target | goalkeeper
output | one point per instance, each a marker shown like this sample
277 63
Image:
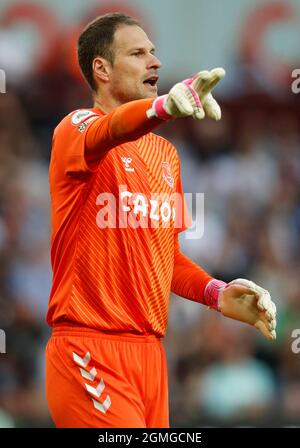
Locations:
114 248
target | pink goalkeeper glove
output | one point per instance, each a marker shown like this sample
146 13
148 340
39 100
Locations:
191 97
245 301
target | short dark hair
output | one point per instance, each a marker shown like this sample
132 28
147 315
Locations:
96 40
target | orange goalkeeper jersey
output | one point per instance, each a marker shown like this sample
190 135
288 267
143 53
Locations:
113 226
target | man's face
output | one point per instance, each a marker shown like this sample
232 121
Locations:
133 75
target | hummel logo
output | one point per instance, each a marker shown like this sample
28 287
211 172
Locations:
127 161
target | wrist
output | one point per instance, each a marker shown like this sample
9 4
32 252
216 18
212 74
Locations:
157 109
212 293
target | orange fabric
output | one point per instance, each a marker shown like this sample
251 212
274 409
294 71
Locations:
113 278
108 390
126 123
189 280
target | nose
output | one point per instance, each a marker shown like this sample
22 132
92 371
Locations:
154 62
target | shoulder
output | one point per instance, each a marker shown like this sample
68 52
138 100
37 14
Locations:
77 119
165 143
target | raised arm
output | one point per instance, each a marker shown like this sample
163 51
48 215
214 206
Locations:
191 97
126 123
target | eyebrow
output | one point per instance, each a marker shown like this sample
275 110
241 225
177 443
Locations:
153 49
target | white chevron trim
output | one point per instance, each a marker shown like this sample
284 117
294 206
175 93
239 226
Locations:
83 362
96 391
102 407
89 375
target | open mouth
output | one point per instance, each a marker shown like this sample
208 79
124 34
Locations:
152 81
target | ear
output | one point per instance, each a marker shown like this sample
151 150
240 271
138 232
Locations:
101 69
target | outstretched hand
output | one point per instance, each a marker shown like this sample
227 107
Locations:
203 83
190 97
245 301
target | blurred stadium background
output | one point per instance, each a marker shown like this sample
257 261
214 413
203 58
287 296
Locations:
248 165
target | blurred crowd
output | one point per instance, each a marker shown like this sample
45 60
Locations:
24 266
248 167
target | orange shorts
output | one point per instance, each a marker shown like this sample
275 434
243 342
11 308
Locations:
98 380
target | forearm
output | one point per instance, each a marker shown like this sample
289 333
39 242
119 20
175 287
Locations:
192 282
240 299
126 123
189 280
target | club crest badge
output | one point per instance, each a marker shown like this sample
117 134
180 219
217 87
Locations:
167 173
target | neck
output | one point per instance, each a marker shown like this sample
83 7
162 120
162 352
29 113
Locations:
106 104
